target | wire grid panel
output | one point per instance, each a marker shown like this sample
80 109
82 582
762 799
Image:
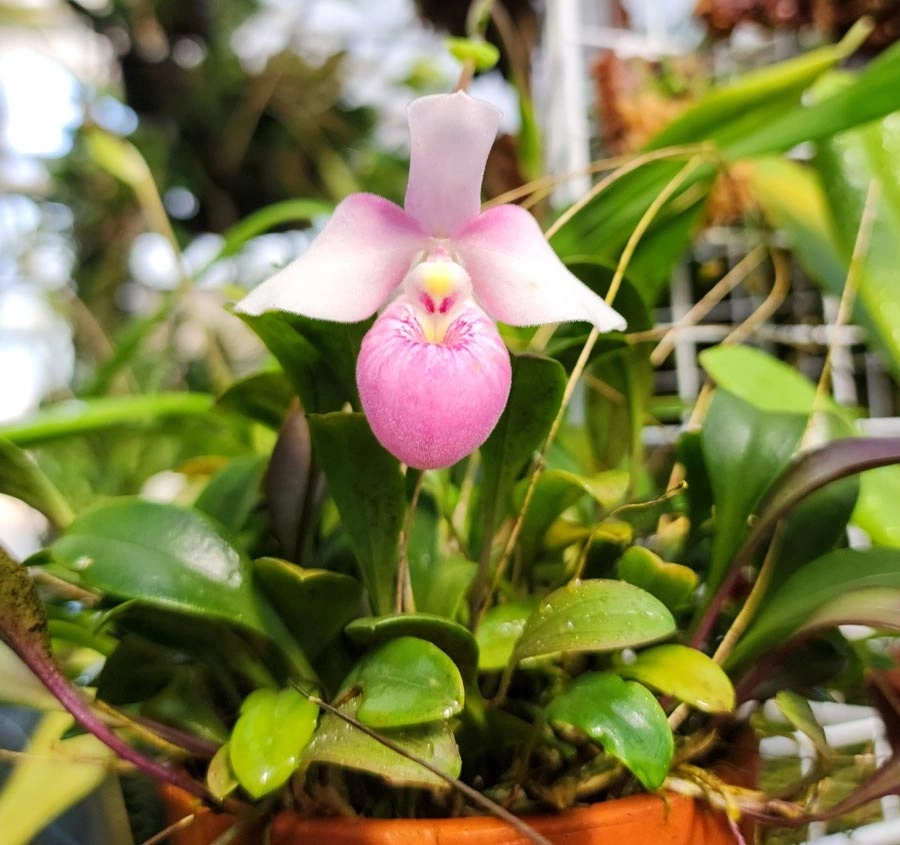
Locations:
846 726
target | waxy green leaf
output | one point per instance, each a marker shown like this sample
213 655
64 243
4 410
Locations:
368 489
269 738
234 492
596 615
318 357
405 681
672 583
622 716
499 632
264 397
174 558
341 744
534 399
315 604
450 637
797 711
745 450
685 673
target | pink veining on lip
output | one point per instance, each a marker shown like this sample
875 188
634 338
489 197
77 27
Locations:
433 372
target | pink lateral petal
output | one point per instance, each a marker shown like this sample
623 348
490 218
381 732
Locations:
351 268
431 404
518 278
451 136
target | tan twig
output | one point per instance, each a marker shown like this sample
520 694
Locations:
712 297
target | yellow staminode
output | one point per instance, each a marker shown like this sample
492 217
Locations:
438 279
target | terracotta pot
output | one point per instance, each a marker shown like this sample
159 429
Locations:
639 820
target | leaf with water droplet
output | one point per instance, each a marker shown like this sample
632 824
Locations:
269 737
405 681
499 632
595 615
622 716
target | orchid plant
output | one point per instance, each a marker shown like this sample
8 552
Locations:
429 559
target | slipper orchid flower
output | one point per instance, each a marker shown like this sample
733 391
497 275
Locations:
433 373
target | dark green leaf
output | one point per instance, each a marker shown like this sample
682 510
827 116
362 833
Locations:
170 557
264 397
318 357
835 576
269 737
685 673
797 711
534 399
234 492
21 478
745 451
596 615
451 637
368 490
185 702
315 604
441 585
622 716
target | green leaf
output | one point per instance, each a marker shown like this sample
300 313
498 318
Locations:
877 607
318 357
450 637
556 491
685 673
534 399
264 397
186 702
482 54
745 451
368 490
770 384
234 492
341 744
269 738
315 604
797 711
439 586
21 478
833 577
624 718
597 615
220 779
66 419
405 681
170 557
759 379
499 632
672 583
54 774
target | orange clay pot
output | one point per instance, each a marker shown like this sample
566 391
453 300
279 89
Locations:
639 820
